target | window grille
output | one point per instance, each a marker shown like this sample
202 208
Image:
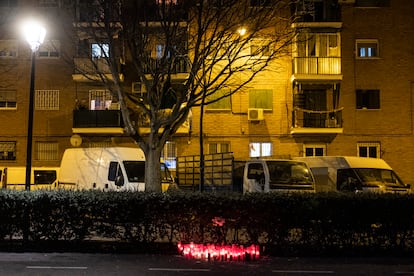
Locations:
47 100
7 150
47 151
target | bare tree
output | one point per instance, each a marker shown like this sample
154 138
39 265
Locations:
221 46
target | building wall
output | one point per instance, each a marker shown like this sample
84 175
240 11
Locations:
392 73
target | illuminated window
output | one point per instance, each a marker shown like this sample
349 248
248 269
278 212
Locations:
367 48
169 155
100 50
318 45
367 99
369 149
259 149
100 99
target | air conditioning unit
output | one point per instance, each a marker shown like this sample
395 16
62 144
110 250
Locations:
255 114
346 1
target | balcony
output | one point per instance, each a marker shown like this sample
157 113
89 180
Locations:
179 66
316 122
97 121
87 69
324 68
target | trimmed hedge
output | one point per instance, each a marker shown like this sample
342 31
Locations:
283 224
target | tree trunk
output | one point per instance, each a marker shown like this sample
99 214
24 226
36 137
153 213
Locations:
153 170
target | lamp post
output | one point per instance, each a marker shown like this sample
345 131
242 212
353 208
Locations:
35 35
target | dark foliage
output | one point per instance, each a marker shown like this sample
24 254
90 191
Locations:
300 224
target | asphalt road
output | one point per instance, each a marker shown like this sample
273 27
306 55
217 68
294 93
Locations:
127 264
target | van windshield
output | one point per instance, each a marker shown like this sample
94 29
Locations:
135 170
284 172
374 177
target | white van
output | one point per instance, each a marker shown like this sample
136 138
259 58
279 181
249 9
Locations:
277 175
356 174
41 178
108 169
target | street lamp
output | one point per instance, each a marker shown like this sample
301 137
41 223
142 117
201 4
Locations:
35 35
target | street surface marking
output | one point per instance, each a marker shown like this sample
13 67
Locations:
57 267
179 269
304 271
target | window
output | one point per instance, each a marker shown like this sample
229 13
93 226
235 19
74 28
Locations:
100 50
8 3
100 99
367 48
169 155
8 48
8 99
369 149
47 151
218 147
314 150
261 98
223 103
367 99
49 49
372 3
7 150
47 100
318 45
258 149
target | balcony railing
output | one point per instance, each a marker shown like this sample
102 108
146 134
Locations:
303 118
97 118
180 65
317 65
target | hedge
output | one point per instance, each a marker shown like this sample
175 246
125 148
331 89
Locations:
297 223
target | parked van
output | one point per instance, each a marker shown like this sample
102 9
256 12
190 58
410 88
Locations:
108 169
40 178
356 174
264 175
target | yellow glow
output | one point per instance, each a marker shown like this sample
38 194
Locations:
242 31
35 34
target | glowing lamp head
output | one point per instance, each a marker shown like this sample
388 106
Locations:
242 31
34 33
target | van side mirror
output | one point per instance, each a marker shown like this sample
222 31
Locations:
119 181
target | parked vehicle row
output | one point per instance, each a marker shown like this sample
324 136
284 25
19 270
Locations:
14 178
123 169
355 174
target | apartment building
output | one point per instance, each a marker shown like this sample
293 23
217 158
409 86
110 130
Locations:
345 89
